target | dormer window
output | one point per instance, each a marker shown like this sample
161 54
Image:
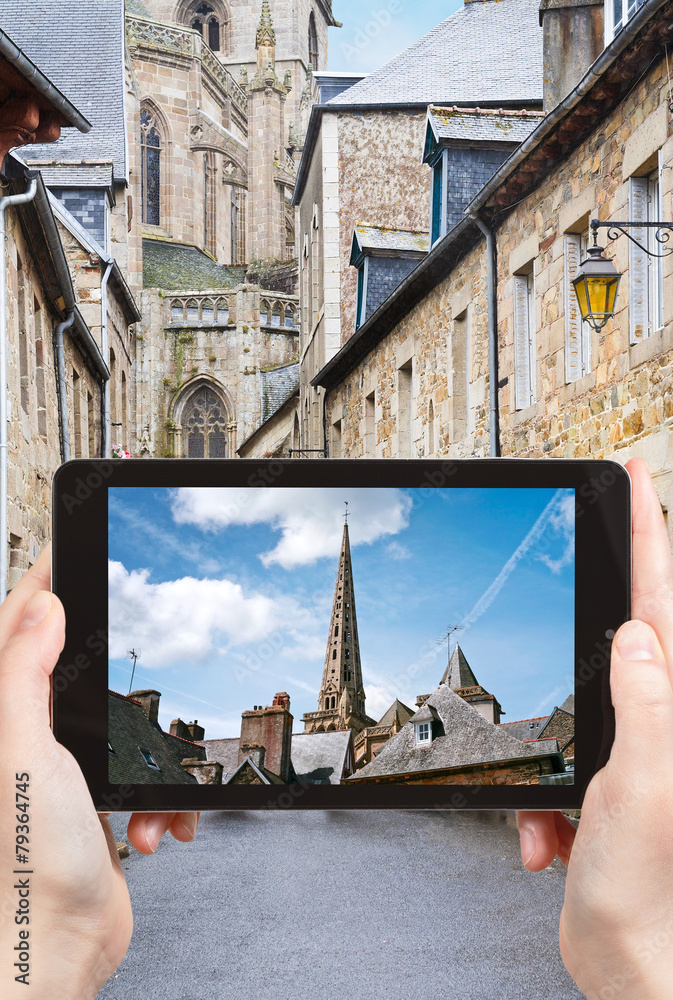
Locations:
423 733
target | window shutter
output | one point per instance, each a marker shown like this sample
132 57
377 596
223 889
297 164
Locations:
573 318
638 263
521 342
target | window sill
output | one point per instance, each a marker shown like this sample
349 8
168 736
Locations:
518 417
572 390
657 343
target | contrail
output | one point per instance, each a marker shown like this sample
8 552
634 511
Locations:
501 579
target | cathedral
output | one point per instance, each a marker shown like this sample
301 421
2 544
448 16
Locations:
221 95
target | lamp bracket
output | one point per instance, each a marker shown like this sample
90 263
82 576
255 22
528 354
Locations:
662 234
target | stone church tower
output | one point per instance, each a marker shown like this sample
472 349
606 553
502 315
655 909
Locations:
341 702
218 97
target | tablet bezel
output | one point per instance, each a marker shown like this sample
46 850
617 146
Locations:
79 566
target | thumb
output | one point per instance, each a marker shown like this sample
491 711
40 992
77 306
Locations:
642 696
26 663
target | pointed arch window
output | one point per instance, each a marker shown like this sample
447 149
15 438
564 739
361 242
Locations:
312 42
151 147
208 19
204 425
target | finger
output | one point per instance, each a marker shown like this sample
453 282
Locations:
642 697
38 577
26 663
184 826
543 836
652 594
145 830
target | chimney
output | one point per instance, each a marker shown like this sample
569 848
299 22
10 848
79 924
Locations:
179 728
196 732
149 700
270 728
255 752
572 40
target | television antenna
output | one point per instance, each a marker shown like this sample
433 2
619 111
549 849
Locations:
133 654
447 638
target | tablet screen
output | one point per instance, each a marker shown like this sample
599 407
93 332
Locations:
341 636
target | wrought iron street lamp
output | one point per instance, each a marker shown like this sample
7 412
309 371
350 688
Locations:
597 280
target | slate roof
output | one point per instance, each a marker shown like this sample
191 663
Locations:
568 705
128 730
224 752
177 267
477 125
382 238
458 673
487 52
277 387
321 758
81 175
79 46
399 712
521 728
468 739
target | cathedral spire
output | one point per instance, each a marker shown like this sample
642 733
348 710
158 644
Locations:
341 702
266 33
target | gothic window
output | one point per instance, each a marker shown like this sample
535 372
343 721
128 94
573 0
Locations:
204 425
222 310
264 313
177 311
204 18
277 311
289 317
334 654
237 232
209 206
150 167
192 311
312 42
207 311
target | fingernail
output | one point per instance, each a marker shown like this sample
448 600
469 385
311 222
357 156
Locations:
528 844
190 821
637 641
37 609
155 828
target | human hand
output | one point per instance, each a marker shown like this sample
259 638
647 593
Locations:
616 930
80 912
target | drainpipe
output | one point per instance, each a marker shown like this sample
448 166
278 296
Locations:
62 385
492 295
7 202
105 422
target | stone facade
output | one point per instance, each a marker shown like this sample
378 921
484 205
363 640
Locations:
621 405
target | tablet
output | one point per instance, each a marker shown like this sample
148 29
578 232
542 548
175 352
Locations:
314 634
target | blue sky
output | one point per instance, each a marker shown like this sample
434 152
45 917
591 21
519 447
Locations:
376 30
227 593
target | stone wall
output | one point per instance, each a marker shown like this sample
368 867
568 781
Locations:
175 357
375 189
525 773
623 406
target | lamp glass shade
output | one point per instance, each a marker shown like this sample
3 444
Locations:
596 285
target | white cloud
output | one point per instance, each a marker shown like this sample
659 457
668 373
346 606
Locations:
562 524
397 551
187 621
310 521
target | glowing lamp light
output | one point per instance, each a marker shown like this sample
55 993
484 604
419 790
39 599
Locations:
596 285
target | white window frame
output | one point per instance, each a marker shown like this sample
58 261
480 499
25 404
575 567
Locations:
614 25
524 339
577 331
423 733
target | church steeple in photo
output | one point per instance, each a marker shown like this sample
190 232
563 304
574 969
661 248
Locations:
341 701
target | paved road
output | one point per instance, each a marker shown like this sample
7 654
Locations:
320 905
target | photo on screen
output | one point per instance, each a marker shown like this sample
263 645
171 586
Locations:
341 636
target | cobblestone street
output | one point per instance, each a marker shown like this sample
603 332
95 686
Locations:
324 905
